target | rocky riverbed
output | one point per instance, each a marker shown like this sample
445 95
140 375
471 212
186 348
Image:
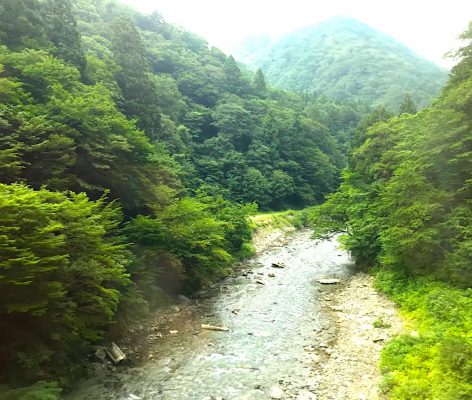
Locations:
289 336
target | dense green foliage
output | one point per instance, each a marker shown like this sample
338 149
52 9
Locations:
131 155
346 60
228 130
61 270
405 205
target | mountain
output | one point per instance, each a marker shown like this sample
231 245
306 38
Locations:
345 59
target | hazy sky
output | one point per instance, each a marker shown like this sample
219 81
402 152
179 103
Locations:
428 27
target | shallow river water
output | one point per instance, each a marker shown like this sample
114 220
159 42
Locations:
277 334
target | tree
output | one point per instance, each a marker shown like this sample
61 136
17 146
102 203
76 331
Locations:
76 139
408 106
139 95
22 24
233 82
64 34
259 84
234 122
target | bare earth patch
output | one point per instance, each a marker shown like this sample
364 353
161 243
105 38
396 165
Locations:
352 370
265 238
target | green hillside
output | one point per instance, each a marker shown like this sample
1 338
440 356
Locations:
346 60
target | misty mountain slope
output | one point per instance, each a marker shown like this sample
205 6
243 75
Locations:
346 60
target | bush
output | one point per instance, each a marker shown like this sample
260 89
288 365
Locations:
39 391
62 265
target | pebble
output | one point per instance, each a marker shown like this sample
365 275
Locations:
276 392
306 395
183 298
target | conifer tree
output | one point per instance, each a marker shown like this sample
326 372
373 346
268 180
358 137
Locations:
408 106
259 84
63 33
232 75
139 96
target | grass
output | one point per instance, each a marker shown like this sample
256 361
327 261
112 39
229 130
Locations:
278 219
379 323
436 361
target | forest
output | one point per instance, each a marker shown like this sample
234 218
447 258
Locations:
132 152
345 59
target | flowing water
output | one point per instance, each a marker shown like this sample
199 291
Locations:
277 334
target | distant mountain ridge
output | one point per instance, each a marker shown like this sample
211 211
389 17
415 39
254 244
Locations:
346 60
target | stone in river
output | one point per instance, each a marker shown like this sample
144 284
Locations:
276 392
330 281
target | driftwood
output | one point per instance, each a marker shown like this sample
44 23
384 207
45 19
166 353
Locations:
214 328
115 353
329 281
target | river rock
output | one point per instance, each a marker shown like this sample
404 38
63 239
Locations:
183 299
100 354
276 392
175 308
214 328
379 339
329 281
271 275
306 395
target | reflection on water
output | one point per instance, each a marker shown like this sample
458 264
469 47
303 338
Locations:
275 331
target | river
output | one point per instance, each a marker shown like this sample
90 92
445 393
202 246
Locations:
277 334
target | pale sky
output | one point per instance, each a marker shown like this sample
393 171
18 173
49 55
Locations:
430 28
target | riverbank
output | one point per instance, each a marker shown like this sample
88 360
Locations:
364 321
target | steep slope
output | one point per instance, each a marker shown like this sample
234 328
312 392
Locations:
346 60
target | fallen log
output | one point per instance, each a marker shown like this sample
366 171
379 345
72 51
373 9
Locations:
115 353
214 328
